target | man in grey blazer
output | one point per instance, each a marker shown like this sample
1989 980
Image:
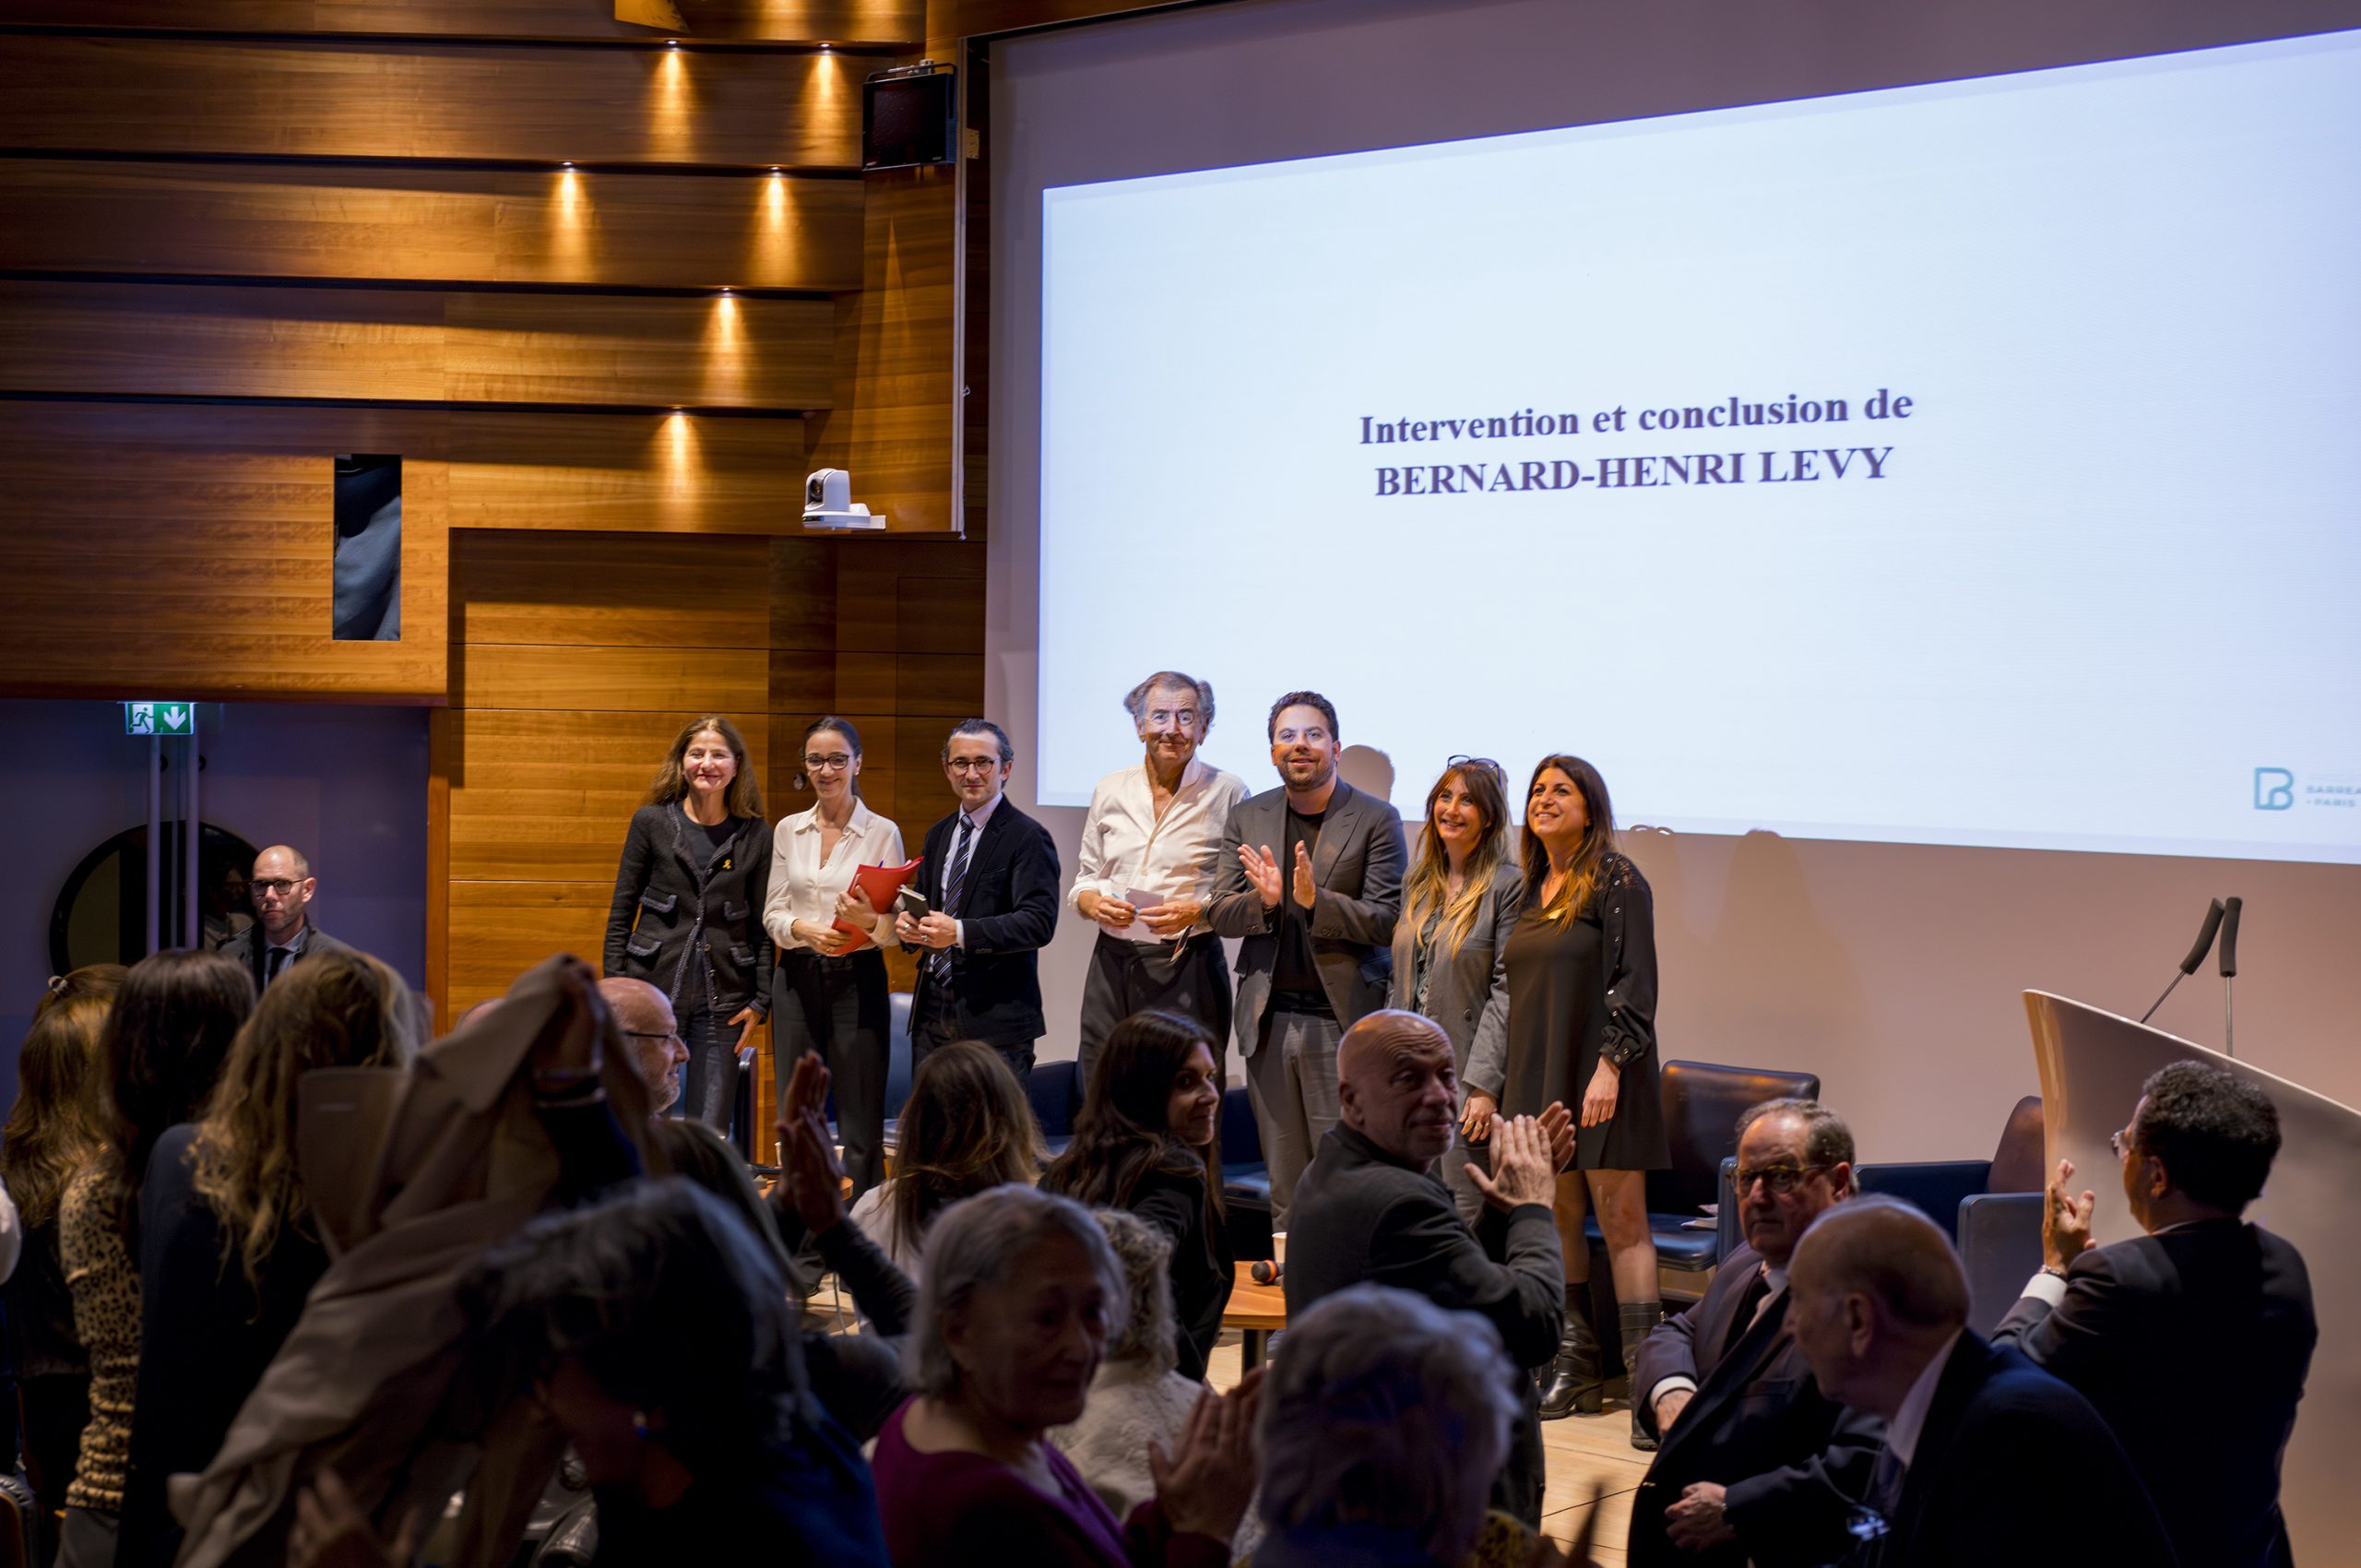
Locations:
1310 882
281 886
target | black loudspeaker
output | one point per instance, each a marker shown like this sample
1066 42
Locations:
909 118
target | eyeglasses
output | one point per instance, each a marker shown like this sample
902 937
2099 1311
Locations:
2120 1142
1164 717
1777 1179
836 762
665 1035
280 884
972 764
1486 764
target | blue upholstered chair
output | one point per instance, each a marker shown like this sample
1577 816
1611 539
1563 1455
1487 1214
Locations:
1990 1207
1245 1179
1055 1089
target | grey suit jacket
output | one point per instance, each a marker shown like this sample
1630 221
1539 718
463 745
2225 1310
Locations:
246 948
1468 992
1358 874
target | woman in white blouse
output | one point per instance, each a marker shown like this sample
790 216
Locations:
830 995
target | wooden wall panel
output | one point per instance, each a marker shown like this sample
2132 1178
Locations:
600 591
133 565
674 473
498 930
867 23
326 99
432 225
896 343
414 345
546 794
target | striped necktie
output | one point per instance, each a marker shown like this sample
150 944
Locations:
954 882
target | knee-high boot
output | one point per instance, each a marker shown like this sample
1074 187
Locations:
1634 1320
1575 1381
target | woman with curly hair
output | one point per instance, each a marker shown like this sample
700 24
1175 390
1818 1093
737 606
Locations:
966 1129
1148 1141
163 1045
54 1133
228 1251
1582 978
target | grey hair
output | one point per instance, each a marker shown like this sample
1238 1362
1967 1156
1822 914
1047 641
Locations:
1135 700
1145 1253
1376 1383
1827 1139
980 727
976 1245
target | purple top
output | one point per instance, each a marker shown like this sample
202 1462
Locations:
954 1509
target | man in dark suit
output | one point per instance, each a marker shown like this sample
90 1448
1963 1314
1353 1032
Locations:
1373 1209
1989 1459
1311 881
990 881
2119 1322
1753 1461
281 888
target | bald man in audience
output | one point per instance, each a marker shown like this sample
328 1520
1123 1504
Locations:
282 886
1989 1459
1753 1461
643 1015
1371 1207
2109 1319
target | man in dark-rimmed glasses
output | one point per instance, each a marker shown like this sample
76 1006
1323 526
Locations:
281 888
1752 1460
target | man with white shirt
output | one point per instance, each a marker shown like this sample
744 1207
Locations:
990 883
1752 1460
281 888
1151 847
1989 1459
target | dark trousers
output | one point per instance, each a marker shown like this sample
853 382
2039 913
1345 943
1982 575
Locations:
1190 977
712 1071
934 1023
839 1007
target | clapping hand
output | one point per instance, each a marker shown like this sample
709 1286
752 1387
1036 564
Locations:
1205 1487
1524 1170
811 1178
2065 1220
1262 872
1305 889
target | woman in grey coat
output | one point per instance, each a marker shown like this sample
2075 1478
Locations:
1458 905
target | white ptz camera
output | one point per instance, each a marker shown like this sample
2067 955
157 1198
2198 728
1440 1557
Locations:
828 503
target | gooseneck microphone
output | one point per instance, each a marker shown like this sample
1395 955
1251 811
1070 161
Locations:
2229 968
2213 914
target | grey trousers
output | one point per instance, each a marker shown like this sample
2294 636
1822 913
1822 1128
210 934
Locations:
1291 1083
1131 977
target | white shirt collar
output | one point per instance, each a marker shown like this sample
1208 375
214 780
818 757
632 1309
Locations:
1775 1278
978 818
1902 1432
856 825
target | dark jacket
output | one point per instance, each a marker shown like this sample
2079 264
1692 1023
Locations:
2135 1311
698 908
205 1336
1008 911
1360 1215
1204 1270
2012 1466
1357 871
1793 1461
249 945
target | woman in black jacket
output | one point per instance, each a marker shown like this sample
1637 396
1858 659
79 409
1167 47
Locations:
1148 1141
687 915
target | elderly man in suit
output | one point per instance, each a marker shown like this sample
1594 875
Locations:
1373 1210
281 888
1754 1461
1311 884
2114 1321
1989 1459
990 881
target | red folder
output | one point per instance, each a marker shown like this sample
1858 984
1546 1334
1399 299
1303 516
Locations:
881 886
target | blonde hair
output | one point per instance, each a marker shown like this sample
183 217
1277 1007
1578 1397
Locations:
1585 873
1429 887
331 1010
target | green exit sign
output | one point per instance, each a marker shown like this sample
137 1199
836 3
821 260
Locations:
160 719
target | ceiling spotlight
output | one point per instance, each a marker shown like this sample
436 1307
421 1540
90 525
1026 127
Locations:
671 43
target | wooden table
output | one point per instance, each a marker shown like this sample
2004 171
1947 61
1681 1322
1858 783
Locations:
1260 1311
